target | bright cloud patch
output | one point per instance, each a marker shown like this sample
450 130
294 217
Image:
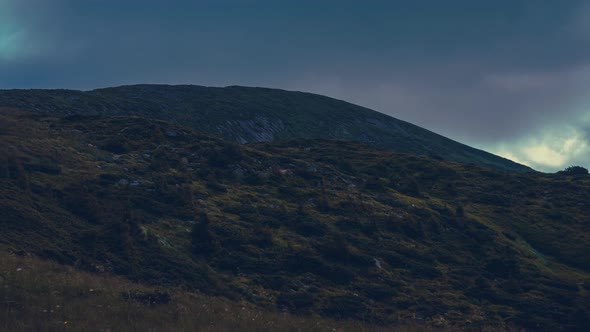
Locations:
9 36
549 151
8 44
544 155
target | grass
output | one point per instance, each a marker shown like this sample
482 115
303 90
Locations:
39 295
297 226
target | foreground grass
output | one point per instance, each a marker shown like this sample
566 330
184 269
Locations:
39 295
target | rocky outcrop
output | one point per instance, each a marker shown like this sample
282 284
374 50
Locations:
258 129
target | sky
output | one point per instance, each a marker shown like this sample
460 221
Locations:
508 76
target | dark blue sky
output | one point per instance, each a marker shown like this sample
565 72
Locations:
509 76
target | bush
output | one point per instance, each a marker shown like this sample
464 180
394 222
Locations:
80 201
574 170
301 302
146 298
379 292
202 240
374 183
407 186
345 307
459 211
115 145
308 227
222 157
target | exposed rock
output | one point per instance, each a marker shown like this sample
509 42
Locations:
259 129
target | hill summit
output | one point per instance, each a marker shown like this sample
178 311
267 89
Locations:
253 115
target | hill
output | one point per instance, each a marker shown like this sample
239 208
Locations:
315 227
250 115
40 295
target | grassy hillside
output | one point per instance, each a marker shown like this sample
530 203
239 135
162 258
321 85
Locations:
252 115
313 227
44 296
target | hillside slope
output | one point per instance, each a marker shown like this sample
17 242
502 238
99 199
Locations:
39 295
252 115
323 227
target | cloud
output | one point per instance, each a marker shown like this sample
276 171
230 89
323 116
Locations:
461 98
35 31
8 44
535 117
544 155
494 75
579 25
549 150
11 36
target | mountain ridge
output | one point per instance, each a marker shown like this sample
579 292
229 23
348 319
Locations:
254 114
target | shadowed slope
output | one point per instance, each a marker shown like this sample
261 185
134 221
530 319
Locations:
331 228
248 115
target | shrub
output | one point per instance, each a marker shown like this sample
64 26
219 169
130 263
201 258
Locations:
345 307
146 298
574 170
300 302
80 201
309 227
374 183
379 292
222 157
336 248
407 186
459 211
115 145
201 237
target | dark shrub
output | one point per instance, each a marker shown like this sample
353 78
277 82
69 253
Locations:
379 292
336 248
424 271
407 186
222 157
574 170
304 261
337 274
300 302
216 187
115 145
80 201
488 198
308 227
459 211
150 299
201 238
345 307
374 183
503 267
349 224
262 237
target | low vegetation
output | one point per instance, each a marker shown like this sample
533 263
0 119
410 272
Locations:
45 296
250 115
574 170
316 228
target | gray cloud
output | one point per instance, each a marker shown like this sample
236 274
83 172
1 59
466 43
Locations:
507 76
508 113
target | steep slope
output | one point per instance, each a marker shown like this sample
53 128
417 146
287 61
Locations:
333 228
249 115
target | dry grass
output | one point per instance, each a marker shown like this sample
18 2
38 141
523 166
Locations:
44 296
